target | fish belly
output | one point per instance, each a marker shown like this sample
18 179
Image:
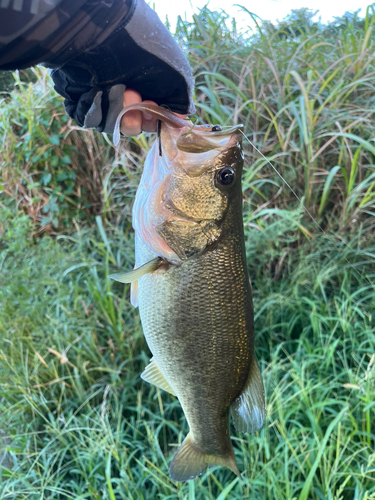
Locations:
198 322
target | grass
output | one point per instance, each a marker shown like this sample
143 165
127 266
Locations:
53 171
303 91
306 100
77 421
81 423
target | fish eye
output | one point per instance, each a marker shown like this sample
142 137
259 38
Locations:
225 177
216 128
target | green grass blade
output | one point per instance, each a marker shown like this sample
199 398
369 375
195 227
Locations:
108 477
327 188
225 493
306 488
360 140
191 490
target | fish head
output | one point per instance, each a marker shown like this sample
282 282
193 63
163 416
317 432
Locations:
192 175
205 174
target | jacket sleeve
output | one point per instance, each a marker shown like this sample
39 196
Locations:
95 49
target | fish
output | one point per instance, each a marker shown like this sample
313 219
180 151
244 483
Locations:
192 287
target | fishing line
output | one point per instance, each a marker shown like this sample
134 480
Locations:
307 210
158 131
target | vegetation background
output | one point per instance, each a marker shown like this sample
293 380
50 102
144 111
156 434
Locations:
76 420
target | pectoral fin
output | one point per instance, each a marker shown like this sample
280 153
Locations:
249 409
136 274
134 294
153 375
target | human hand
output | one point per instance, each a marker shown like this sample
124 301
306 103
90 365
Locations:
142 55
134 122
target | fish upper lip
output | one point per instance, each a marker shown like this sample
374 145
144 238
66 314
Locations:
196 140
222 133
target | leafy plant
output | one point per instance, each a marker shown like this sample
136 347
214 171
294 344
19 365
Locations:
53 171
80 423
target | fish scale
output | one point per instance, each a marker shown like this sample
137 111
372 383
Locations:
198 322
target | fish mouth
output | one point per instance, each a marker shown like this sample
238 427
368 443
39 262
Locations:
192 138
197 140
223 132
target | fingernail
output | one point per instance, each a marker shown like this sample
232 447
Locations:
146 116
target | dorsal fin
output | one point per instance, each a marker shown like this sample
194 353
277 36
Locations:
153 375
249 409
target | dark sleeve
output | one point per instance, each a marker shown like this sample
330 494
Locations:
56 31
97 48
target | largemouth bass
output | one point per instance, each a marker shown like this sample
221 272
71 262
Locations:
193 290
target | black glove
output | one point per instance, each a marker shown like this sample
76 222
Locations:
141 55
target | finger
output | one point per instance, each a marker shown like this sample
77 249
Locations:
149 123
131 123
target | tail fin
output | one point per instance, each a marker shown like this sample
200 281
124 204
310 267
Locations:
189 462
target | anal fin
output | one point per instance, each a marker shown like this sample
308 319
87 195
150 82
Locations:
249 409
153 375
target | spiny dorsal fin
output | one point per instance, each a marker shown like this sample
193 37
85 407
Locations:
153 375
249 409
189 461
136 274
